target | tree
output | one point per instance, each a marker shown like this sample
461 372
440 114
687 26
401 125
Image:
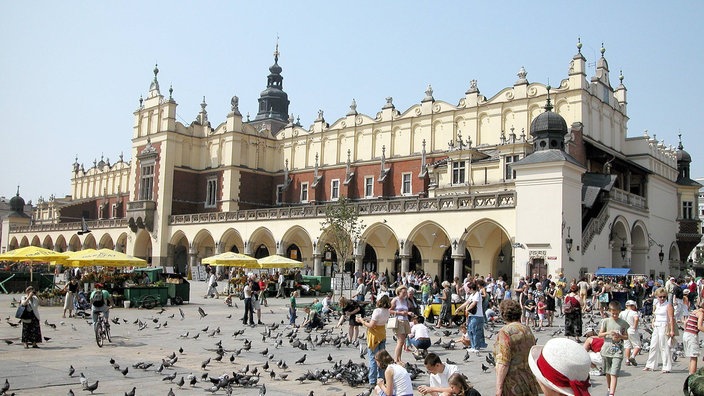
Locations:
343 228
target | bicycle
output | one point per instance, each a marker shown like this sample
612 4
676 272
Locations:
102 330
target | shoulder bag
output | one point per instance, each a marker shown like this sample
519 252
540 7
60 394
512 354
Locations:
392 323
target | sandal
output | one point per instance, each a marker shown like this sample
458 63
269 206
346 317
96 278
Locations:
647 369
666 371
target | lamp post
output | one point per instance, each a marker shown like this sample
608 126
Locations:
661 255
568 241
623 250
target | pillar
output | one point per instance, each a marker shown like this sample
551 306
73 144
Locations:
317 264
457 268
358 265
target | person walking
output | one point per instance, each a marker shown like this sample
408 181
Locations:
71 290
632 345
573 314
475 317
280 285
376 335
693 325
511 349
212 285
292 309
446 309
663 332
31 328
615 331
400 308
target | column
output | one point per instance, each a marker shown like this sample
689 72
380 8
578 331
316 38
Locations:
192 262
457 269
405 263
358 265
317 264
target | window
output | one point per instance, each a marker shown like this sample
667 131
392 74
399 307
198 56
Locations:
211 193
406 184
114 211
335 189
279 194
304 192
146 182
369 186
510 174
687 209
458 172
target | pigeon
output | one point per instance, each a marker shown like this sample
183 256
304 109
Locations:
171 392
71 370
195 337
180 350
301 360
70 393
202 313
490 359
205 329
485 368
265 351
124 372
329 358
450 361
169 378
262 390
180 311
181 382
192 380
132 392
5 387
91 388
204 363
84 381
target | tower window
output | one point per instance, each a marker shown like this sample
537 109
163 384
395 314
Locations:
304 192
687 209
146 182
369 186
458 172
211 193
335 189
406 184
510 174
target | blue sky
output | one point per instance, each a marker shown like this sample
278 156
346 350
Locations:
71 73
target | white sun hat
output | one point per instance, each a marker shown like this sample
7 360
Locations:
562 365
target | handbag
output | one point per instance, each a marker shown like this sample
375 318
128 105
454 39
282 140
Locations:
392 323
215 284
20 311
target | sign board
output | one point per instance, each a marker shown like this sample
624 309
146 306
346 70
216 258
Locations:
198 273
337 283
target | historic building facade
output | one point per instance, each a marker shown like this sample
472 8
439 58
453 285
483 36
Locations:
531 180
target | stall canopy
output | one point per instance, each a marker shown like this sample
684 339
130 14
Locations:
33 254
612 271
277 261
103 258
231 259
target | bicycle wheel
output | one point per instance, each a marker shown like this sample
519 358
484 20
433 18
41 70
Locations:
99 334
149 302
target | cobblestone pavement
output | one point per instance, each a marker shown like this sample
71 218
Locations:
44 371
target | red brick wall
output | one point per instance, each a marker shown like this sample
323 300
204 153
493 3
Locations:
190 190
257 190
576 146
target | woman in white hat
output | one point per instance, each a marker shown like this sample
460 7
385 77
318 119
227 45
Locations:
561 367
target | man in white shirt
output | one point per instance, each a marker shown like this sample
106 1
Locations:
280 286
419 337
361 290
439 374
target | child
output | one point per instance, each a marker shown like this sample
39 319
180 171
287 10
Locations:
464 339
632 344
530 310
615 331
292 309
541 312
460 387
419 336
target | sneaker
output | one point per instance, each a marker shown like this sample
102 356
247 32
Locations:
472 350
633 361
594 373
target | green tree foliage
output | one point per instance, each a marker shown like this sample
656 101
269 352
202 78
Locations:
342 227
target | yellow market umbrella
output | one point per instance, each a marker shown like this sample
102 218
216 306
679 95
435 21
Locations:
231 259
276 261
67 261
104 258
33 254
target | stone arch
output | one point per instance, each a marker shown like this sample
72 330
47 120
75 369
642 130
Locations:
231 241
106 242
487 241
36 242
640 248
60 245
619 239
74 244
204 244
121 244
296 239
384 244
89 242
431 240
24 242
13 244
673 256
143 245
48 243
178 252
262 236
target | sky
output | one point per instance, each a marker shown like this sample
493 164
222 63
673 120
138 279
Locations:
72 72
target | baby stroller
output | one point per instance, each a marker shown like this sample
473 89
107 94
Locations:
81 305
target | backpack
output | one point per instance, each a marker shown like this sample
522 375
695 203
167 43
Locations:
97 299
677 292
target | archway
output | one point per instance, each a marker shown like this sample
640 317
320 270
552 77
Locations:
143 246
369 261
448 265
293 252
106 242
179 252
36 242
89 242
48 243
121 245
261 252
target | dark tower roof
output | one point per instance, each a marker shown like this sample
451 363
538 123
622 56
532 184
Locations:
273 101
17 202
548 129
683 161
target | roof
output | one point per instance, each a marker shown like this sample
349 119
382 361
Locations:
553 155
612 271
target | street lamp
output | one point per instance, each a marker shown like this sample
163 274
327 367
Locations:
623 250
501 249
661 255
568 241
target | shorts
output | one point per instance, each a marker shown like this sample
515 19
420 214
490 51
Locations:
402 328
596 358
541 316
255 304
691 345
633 341
612 365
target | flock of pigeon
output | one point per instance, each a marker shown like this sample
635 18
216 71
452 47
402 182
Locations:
247 358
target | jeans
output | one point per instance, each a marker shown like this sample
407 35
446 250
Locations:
475 331
292 316
106 313
248 311
374 373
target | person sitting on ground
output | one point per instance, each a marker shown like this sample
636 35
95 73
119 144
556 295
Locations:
312 320
327 308
464 337
439 375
